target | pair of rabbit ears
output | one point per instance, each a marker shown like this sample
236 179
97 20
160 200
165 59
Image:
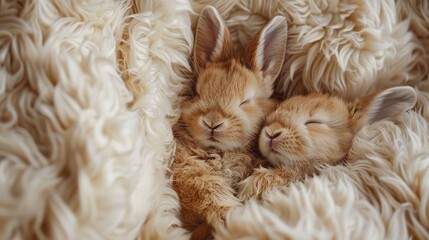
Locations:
265 53
387 104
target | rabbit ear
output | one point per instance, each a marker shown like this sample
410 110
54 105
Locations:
212 41
266 51
387 104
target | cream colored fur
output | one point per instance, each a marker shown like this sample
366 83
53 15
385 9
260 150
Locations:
85 88
89 90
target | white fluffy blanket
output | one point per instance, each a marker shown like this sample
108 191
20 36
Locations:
89 90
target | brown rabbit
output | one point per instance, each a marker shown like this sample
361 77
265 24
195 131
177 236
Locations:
231 97
305 132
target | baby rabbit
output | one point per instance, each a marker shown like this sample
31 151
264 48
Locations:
231 97
232 92
305 132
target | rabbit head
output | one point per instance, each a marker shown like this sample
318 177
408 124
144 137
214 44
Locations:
231 96
319 128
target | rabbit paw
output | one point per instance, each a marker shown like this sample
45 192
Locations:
236 166
261 181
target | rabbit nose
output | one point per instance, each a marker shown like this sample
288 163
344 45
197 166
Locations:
212 125
273 135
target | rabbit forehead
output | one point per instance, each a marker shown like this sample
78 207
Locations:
315 104
320 107
229 80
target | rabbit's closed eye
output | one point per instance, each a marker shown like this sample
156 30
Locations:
313 121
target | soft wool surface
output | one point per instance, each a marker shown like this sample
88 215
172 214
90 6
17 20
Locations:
89 90
85 91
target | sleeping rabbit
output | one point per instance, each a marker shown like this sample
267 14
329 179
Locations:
305 132
222 119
